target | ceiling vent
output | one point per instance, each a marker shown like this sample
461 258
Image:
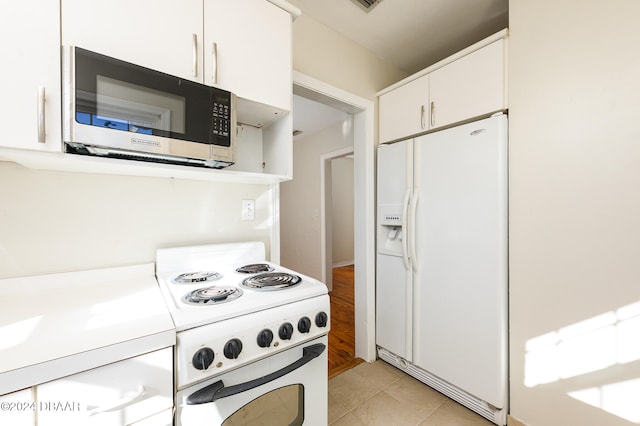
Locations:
366 5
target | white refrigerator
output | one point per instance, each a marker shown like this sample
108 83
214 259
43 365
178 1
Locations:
441 287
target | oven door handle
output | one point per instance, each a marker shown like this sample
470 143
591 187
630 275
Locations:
217 390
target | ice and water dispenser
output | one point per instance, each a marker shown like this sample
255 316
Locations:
390 222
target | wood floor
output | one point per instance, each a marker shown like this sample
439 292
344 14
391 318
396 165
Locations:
342 334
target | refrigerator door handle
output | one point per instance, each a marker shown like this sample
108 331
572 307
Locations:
405 219
412 226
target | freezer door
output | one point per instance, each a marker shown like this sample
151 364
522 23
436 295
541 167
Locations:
395 179
393 277
460 287
393 306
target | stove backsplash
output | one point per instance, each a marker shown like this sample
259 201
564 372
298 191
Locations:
62 221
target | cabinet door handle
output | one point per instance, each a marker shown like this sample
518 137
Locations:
422 121
41 122
214 53
194 40
120 403
433 113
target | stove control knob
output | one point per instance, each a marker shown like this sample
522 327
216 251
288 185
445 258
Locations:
304 325
203 358
265 337
286 331
321 319
232 348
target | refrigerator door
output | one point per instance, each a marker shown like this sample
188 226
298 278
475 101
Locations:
460 287
393 280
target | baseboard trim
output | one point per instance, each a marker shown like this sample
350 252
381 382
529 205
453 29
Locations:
341 264
512 421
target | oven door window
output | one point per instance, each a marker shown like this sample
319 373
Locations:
283 406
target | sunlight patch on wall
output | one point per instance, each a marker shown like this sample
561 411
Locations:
584 347
619 399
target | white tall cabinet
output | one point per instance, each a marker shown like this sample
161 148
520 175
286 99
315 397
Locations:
404 111
467 85
30 83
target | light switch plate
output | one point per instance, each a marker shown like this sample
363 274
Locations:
248 209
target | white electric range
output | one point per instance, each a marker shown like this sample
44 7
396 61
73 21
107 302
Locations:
245 328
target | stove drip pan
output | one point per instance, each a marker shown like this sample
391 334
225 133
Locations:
271 281
212 295
196 277
255 268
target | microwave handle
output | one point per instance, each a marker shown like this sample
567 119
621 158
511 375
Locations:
217 390
214 53
41 123
194 41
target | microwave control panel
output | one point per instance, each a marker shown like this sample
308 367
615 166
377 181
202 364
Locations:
221 119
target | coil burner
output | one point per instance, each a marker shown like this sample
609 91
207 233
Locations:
255 268
197 277
212 295
271 281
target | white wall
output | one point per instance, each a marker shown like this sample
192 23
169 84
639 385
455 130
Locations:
61 221
574 94
300 244
342 211
321 53
331 59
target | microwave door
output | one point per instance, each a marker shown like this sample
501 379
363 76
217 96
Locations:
123 110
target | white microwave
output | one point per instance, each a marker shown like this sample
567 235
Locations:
117 109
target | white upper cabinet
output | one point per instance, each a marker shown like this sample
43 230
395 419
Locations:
247 50
243 46
468 87
30 84
164 35
404 111
470 84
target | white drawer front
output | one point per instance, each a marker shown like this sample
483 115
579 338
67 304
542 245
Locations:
116 394
17 408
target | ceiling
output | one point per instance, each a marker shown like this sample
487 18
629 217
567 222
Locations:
411 34
310 117
408 34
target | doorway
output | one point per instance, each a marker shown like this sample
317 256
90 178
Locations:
364 202
337 199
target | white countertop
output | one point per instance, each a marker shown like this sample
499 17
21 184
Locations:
55 325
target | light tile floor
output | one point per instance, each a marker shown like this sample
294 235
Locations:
380 394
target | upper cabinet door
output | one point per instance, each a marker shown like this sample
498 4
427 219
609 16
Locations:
164 35
471 86
30 83
405 110
250 54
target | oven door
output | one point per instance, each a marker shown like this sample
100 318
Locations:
288 388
